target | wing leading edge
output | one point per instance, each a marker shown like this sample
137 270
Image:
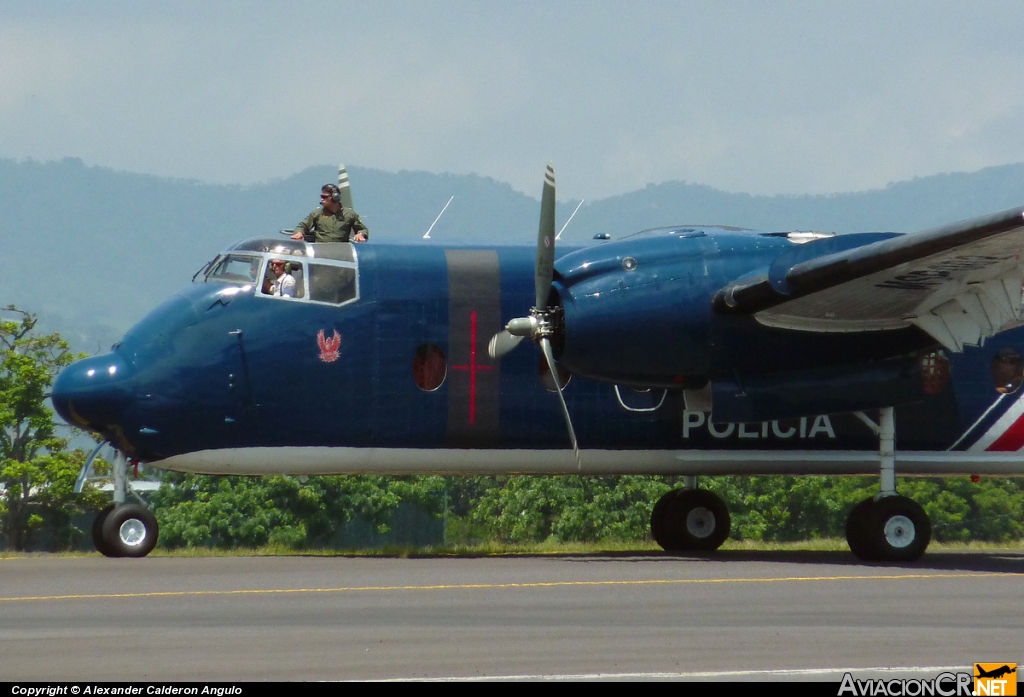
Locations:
961 283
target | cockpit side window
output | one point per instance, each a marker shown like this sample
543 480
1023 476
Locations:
236 268
331 284
295 288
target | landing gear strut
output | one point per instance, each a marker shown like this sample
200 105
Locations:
887 527
121 529
690 519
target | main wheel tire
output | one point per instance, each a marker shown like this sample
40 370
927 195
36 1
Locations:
900 529
97 532
858 525
130 531
660 530
697 519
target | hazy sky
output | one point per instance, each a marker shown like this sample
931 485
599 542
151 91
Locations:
763 97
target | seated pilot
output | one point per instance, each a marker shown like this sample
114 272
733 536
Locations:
283 284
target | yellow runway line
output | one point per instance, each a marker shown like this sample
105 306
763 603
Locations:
501 586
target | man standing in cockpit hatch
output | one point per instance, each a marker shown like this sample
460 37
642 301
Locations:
331 222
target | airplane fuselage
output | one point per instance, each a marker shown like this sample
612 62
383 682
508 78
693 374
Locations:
687 350
224 378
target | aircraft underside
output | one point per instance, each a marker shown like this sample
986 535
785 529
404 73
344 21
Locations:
316 461
887 527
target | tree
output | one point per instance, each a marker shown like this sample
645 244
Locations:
218 511
37 475
568 508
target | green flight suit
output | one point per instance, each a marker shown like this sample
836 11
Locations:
324 227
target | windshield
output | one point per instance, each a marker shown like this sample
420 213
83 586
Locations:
236 268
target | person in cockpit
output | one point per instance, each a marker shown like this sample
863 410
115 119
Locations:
331 222
283 283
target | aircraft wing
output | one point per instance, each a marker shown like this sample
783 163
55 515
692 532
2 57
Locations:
960 283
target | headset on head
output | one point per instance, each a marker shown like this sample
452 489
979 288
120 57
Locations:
333 190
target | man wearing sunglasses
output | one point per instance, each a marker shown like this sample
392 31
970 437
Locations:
331 222
284 284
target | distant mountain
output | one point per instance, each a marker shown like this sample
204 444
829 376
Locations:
900 207
91 250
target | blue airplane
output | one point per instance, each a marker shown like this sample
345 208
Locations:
691 350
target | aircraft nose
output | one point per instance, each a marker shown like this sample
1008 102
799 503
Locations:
93 393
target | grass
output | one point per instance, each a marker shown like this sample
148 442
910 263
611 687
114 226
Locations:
490 549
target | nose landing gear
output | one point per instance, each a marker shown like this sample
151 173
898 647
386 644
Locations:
121 529
129 530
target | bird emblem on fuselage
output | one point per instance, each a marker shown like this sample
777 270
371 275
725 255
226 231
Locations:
330 349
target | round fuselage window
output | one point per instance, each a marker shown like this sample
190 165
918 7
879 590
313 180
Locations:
429 367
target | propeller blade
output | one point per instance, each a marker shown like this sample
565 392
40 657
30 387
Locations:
501 343
546 239
545 345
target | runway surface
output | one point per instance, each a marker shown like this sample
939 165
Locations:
733 616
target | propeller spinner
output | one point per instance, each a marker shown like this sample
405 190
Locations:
539 325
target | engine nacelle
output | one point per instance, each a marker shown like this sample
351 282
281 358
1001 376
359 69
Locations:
639 313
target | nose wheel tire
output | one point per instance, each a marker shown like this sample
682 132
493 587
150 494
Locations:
690 519
893 528
129 531
97 532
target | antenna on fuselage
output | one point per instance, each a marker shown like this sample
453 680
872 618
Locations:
559 235
426 235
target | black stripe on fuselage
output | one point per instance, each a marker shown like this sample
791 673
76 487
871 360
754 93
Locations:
474 316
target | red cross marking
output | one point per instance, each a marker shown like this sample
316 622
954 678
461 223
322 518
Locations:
472 367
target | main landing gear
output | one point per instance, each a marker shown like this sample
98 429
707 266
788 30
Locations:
892 528
887 527
121 529
690 519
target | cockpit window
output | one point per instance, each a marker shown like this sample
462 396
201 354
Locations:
319 282
281 286
290 270
236 268
331 284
